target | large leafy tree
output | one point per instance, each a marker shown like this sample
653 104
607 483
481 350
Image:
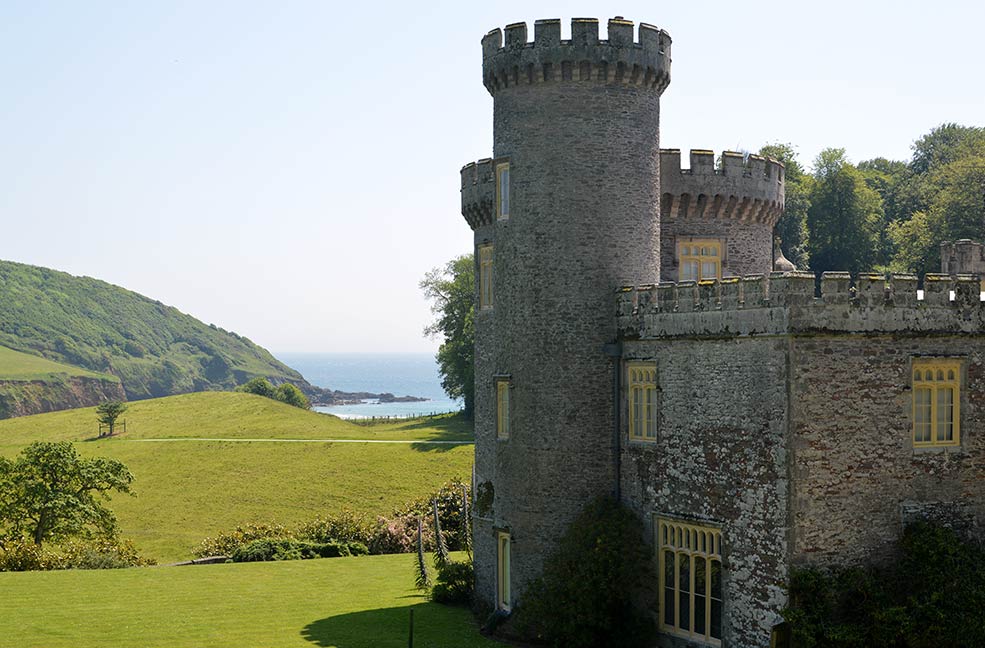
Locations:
941 196
885 176
792 227
844 216
49 492
451 290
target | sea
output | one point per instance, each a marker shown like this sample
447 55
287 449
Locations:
401 374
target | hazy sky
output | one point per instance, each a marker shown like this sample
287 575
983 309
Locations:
289 170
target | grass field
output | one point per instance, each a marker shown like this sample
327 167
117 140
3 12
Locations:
360 602
18 366
188 489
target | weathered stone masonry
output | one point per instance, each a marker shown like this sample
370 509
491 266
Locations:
786 420
578 122
784 417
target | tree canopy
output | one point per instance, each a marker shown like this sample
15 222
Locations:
844 216
50 493
107 413
285 393
883 214
451 290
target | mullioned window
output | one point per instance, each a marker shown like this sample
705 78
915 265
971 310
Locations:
936 402
690 568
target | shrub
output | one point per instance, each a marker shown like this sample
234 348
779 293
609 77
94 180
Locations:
591 591
290 394
394 534
225 544
398 535
105 553
932 595
259 386
346 526
454 583
267 549
449 504
102 553
24 555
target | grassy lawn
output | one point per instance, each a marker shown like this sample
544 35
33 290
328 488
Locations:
18 366
226 415
337 602
188 490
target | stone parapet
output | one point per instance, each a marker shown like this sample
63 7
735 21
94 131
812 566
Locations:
745 188
782 303
963 257
479 193
619 60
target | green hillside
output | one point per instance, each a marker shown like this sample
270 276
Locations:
208 461
360 602
155 350
17 366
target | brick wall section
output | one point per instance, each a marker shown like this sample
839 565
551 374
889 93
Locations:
721 459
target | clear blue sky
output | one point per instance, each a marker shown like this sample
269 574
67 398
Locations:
289 170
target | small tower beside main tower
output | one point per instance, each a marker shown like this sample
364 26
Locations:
567 210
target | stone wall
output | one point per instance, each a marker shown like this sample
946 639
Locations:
963 257
578 123
720 459
857 476
786 420
738 204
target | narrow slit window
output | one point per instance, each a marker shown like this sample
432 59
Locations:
503 571
936 402
502 408
485 276
502 191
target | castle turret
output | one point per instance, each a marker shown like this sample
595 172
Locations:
567 209
718 221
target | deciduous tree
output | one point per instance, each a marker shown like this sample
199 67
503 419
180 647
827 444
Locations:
109 412
844 216
451 290
49 492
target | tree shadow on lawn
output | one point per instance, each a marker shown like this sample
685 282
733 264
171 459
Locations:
439 447
435 626
452 427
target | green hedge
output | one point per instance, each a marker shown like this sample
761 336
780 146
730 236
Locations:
932 595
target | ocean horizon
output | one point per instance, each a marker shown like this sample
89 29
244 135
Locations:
401 374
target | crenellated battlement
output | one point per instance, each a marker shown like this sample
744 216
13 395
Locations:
479 192
781 303
622 59
745 188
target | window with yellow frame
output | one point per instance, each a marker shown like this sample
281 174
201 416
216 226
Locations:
936 402
485 276
643 404
699 259
690 572
502 408
503 571
502 191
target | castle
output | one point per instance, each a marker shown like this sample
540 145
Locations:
636 338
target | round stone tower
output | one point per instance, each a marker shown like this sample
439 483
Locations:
718 222
567 210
